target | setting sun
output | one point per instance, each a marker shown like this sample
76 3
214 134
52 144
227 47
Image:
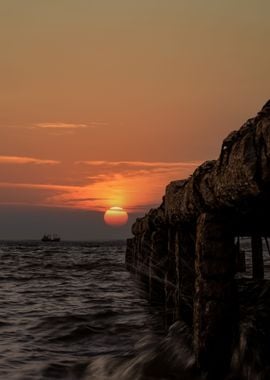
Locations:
116 216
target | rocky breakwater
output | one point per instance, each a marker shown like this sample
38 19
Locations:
185 251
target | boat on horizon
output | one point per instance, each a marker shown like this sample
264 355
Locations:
51 238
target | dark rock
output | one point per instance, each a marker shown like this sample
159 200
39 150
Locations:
184 250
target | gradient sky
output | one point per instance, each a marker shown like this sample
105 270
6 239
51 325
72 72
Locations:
102 103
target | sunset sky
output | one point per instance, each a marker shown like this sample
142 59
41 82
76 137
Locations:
103 102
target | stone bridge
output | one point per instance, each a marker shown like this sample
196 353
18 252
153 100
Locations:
186 251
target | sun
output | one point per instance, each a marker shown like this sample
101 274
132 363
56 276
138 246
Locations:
116 217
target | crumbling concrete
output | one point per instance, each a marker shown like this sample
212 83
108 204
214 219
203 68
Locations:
185 249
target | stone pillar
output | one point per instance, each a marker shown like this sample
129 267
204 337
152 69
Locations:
130 255
215 312
185 251
137 253
240 257
171 280
257 257
241 261
158 265
144 259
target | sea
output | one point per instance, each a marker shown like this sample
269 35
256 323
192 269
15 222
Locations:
71 310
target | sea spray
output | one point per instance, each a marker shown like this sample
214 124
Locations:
169 358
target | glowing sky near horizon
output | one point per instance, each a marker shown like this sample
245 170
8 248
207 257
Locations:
102 102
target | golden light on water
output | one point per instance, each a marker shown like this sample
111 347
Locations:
116 217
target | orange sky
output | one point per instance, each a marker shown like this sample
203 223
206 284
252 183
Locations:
102 102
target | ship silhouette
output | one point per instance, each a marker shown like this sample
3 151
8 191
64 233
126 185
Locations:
51 238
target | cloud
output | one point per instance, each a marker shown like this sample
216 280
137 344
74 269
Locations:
38 186
31 193
142 164
88 199
60 126
133 185
19 160
103 170
141 208
69 126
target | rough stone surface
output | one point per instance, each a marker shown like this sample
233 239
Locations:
241 173
215 294
184 250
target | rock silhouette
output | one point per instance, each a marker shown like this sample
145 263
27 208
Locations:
185 251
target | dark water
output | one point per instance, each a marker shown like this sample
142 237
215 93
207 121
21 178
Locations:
62 304
71 311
